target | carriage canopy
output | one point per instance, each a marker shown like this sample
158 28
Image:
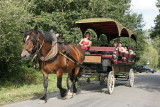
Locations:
107 26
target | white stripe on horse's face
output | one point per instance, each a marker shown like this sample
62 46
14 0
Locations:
27 37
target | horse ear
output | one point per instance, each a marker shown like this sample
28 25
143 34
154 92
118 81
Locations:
36 29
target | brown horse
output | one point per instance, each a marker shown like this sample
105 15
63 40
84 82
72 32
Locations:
52 55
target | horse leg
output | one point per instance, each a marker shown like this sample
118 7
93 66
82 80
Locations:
74 87
75 79
45 85
63 91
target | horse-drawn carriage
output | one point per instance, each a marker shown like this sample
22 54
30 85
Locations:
107 61
57 58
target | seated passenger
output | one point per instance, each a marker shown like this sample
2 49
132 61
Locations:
131 51
121 49
126 50
116 43
85 42
114 53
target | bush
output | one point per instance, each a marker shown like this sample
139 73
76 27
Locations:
14 17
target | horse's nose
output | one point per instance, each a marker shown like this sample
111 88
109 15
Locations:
23 56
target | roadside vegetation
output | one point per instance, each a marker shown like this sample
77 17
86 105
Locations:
30 88
18 79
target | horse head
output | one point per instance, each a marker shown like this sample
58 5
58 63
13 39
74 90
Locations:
31 39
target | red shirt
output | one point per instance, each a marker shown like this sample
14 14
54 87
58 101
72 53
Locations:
84 43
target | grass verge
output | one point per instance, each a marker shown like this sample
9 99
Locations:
15 91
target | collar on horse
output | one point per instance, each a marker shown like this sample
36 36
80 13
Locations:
52 53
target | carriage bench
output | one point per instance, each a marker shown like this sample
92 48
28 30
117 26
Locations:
106 52
97 53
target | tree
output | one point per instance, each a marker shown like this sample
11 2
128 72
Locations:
156 45
155 32
14 17
150 54
156 29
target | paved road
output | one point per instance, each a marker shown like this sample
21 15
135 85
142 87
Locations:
145 93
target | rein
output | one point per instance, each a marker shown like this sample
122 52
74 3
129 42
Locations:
66 57
74 61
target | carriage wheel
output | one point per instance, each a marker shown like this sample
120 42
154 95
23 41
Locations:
69 82
131 78
110 82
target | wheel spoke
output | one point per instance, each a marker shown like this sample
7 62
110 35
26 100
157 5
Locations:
110 84
131 77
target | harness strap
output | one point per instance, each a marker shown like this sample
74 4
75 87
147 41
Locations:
27 50
36 53
67 57
74 61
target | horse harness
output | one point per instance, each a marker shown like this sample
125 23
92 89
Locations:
52 54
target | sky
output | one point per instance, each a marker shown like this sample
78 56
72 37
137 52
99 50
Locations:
148 9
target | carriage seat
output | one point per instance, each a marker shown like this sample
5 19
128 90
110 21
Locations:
106 52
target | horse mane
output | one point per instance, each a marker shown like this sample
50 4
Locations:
47 36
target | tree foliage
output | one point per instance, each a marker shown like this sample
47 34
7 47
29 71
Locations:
150 54
14 17
156 29
155 32
156 45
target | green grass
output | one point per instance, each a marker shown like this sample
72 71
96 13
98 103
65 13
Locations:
18 91
28 84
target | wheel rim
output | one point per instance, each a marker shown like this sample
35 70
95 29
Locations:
111 83
131 78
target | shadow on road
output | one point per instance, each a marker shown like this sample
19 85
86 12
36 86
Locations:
148 82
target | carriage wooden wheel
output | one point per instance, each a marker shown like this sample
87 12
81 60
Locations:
131 78
110 82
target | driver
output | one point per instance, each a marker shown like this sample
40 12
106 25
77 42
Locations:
85 42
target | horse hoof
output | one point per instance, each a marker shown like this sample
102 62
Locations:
69 96
63 98
74 94
42 102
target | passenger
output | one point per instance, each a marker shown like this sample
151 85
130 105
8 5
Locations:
121 49
132 59
131 51
86 42
114 53
116 43
126 50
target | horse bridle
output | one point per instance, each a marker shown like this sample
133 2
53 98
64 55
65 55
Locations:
36 49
